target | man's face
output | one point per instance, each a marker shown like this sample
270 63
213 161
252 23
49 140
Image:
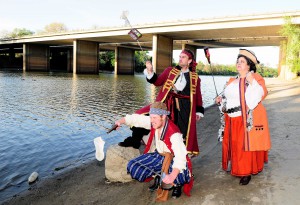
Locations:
157 121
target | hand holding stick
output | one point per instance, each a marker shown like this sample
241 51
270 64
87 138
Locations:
218 100
117 124
149 67
114 127
250 77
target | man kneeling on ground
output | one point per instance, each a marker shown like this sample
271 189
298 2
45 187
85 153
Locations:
165 152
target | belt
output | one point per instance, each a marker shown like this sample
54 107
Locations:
178 95
234 109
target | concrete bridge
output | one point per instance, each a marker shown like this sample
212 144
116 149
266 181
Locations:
81 49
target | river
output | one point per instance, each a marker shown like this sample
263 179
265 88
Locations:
49 120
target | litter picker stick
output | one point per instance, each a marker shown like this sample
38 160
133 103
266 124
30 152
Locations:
134 33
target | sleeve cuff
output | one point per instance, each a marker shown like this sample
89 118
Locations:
200 109
200 114
148 76
153 79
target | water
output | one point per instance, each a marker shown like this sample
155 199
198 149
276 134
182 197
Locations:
49 120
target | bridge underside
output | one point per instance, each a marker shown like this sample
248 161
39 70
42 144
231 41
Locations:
82 56
79 52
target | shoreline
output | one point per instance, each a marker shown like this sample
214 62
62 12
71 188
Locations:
277 184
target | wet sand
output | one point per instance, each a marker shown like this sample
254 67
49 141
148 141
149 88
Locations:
279 183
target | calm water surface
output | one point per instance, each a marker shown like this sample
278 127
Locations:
49 120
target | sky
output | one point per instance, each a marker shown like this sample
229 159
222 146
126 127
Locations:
34 15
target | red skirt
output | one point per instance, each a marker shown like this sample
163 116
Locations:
242 163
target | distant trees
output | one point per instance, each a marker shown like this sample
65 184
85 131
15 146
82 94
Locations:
20 32
230 70
55 27
107 60
17 33
215 69
140 59
292 32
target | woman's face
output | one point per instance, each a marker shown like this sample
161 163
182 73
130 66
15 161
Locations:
242 66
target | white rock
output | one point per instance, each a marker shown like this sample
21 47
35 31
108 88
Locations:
33 176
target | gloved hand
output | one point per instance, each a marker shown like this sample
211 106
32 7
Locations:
169 178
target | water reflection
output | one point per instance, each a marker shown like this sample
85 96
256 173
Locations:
73 102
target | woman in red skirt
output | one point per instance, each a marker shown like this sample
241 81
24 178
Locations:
246 137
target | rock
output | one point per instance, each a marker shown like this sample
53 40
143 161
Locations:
116 161
33 176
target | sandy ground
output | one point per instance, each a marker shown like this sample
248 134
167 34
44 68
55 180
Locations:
279 183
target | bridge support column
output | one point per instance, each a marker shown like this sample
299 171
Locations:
162 53
124 63
69 61
35 57
85 57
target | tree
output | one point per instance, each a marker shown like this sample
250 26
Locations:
140 58
18 32
55 27
107 60
200 66
230 70
292 33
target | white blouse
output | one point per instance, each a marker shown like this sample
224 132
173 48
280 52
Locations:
176 139
253 95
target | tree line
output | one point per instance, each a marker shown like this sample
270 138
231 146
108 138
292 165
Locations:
292 45
107 60
230 70
54 27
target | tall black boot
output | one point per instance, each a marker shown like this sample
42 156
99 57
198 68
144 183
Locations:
134 140
176 192
137 135
155 185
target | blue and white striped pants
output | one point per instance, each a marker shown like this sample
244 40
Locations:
146 165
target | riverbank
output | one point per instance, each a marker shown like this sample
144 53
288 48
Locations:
277 184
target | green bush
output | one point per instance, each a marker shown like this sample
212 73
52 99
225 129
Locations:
230 70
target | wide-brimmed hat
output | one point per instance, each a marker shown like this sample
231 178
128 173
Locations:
249 54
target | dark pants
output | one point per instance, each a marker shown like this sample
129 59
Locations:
137 135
